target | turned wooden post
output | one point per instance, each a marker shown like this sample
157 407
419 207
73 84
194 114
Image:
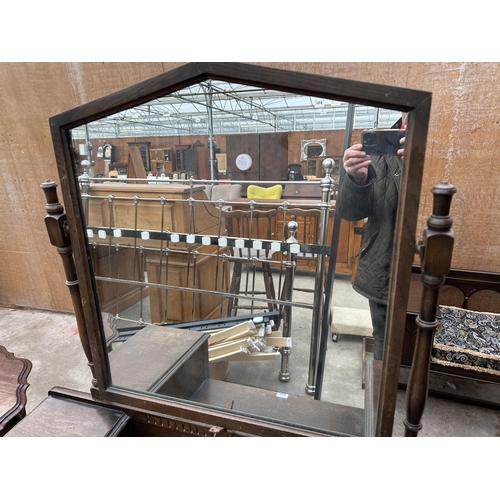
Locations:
435 252
57 227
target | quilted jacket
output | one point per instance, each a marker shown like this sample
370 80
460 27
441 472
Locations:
377 200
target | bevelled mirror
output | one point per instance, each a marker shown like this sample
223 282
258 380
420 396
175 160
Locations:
212 266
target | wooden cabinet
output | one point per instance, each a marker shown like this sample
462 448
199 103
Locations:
196 162
200 269
161 160
314 167
192 161
144 148
269 153
348 243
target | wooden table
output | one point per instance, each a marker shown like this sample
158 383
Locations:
13 385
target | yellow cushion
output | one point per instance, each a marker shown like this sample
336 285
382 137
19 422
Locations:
273 192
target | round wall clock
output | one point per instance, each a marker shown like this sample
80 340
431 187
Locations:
243 161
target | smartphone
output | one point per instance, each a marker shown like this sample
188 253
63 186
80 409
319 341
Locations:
382 141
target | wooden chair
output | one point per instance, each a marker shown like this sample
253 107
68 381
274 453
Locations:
250 225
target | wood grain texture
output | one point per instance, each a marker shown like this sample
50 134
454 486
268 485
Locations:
57 417
319 415
464 125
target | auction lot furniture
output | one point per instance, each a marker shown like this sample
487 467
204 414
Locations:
209 406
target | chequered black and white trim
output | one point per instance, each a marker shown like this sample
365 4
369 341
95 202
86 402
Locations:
102 233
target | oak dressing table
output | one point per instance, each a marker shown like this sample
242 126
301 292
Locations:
212 407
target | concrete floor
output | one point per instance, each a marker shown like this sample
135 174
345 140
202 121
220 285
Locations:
51 342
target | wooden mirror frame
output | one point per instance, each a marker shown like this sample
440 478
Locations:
382 96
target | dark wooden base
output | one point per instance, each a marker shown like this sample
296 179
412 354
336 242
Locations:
457 388
173 364
68 413
71 414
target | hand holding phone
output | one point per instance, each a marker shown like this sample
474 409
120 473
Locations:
356 163
382 142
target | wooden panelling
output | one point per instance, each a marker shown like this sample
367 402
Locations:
269 153
240 144
273 156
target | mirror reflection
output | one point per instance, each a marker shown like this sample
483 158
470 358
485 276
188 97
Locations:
211 211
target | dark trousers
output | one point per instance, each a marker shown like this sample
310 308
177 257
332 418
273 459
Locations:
379 315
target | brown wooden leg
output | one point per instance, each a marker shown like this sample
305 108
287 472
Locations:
56 224
418 383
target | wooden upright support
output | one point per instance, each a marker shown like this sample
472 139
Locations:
57 227
435 254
